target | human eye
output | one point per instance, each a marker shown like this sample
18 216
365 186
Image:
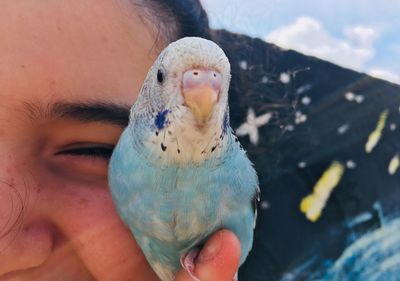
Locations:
99 152
79 151
84 156
83 161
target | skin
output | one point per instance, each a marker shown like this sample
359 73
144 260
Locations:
57 219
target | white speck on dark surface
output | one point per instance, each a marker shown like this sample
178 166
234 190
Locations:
243 64
359 98
265 205
393 126
300 117
264 79
302 164
303 89
351 164
350 96
284 78
289 127
306 100
343 129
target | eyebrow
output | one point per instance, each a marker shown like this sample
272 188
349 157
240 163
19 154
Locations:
98 111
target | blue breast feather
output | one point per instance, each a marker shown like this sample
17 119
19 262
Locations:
172 209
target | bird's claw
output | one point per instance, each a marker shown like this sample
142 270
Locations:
187 262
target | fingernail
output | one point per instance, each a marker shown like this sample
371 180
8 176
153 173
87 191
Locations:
211 249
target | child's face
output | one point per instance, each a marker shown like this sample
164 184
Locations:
69 70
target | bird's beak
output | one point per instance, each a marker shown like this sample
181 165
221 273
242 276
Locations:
200 89
201 101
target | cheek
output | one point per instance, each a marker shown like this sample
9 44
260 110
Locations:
14 195
31 193
83 203
87 217
86 204
12 204
81 215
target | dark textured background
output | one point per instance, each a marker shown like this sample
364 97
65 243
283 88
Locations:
287 246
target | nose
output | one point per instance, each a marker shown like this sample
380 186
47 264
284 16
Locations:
201 89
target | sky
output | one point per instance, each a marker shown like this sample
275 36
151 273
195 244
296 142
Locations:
363 35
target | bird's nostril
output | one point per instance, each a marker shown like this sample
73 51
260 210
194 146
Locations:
198 77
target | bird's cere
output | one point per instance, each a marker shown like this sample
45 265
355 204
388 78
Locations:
194 78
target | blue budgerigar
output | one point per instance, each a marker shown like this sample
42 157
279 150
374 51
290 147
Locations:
178 174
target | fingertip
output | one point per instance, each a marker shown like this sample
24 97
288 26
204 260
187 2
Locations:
218 260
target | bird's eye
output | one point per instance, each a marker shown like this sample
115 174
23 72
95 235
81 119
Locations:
160 76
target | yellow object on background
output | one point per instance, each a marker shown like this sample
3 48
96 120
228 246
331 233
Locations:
313 204
375 136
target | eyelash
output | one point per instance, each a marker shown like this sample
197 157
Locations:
95 152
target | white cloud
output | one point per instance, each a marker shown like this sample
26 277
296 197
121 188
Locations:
308 36
385 74
361 35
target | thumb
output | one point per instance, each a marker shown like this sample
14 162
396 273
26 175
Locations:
218 260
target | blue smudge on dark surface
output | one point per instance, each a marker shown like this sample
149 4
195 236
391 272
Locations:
161 119
374 256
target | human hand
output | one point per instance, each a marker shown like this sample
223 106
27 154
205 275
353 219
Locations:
218 260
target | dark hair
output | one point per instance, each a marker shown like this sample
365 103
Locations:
174 19
191 17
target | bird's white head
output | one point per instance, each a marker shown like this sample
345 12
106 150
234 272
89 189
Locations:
185 96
